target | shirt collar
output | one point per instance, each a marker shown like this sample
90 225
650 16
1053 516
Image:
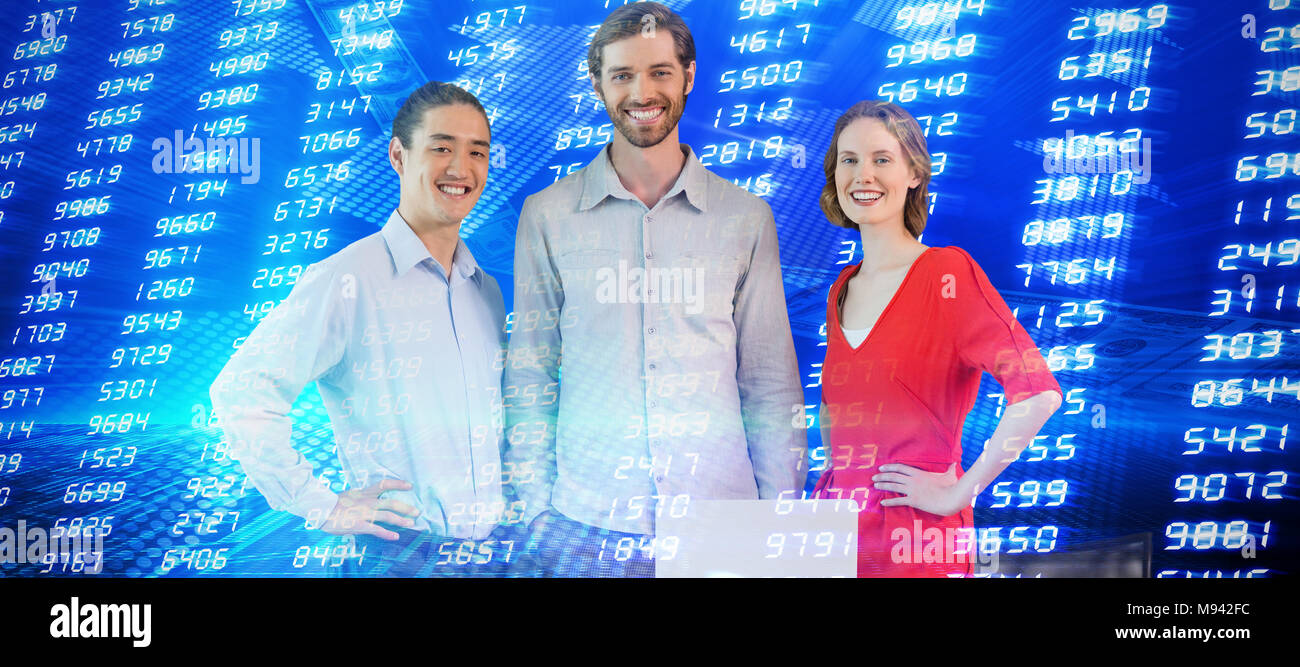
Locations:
408 251
599 181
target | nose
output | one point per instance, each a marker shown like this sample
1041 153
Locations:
863 174
456 166
635 89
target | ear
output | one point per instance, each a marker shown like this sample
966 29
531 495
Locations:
396 155
595 87
916 180
690 77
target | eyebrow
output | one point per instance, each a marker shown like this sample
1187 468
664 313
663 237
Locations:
875 152
626 68
448 137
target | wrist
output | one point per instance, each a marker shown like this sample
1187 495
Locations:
964 493
319 516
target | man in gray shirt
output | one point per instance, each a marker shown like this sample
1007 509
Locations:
658 285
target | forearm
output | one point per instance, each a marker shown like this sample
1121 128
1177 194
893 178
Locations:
771 404
259 430
777 447
1020 423
824 428
529 460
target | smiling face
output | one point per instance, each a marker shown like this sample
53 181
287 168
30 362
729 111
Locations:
872 174
644 87
444 169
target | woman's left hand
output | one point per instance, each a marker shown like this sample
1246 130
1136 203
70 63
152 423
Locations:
933 492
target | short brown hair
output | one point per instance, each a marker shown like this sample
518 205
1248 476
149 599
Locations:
629 21
908 132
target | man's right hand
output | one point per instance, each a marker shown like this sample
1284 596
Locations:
359 512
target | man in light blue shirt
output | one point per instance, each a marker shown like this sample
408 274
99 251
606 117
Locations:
659 286
403 334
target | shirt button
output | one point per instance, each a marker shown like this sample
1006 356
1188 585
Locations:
654 404
649 218
653 366
649 255
659 478
651 331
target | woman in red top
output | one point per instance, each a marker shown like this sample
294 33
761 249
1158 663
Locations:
910 330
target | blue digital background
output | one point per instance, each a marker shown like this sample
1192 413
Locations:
1130 416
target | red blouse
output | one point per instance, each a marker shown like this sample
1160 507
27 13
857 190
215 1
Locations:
902 396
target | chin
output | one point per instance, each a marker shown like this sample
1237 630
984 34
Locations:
868 221
643 138
646 143
438 214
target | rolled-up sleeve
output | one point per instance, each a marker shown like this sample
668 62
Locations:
989 338
301 340
767 372
533 369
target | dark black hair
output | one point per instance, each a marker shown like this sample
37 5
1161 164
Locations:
430 95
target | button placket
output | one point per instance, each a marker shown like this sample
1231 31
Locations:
456 308
646 315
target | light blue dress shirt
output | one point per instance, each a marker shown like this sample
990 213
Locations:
408 362
651 360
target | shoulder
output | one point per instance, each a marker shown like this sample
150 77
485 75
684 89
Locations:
952 257
951 264
560 196
361 260
739 215
361 256
334 281
731 199
964 289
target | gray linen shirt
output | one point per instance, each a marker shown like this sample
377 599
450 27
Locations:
651 360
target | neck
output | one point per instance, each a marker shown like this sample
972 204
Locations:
648 173
440 238
886 245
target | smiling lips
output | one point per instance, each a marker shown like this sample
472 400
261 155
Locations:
866 197
645 116
452 191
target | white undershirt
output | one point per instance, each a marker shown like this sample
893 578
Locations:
856 336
